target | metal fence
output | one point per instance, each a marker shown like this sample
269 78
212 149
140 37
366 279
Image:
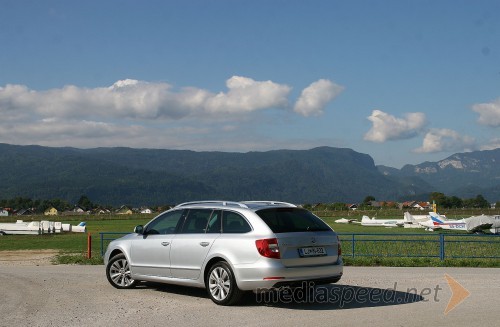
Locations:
442 246
107 237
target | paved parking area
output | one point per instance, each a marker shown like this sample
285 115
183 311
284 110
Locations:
47 295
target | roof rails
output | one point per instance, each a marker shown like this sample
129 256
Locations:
223 203
270 203
242 204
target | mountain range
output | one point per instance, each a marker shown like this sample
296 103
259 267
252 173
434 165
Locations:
115 176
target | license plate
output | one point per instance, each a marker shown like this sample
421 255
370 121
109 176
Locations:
312 251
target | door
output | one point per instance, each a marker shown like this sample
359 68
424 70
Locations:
192 244
150 252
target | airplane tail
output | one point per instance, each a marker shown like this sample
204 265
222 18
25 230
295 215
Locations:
82 224
436 220
409 219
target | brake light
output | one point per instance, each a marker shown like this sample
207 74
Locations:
339 251
268 248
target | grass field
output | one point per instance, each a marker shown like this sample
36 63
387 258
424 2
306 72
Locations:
386 247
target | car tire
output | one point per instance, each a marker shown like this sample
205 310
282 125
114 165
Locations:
335 280
221 284
118 272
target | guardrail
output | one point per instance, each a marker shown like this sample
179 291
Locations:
442 246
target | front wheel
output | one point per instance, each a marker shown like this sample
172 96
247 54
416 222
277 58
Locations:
118 272
221 285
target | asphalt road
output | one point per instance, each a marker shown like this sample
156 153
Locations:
47 295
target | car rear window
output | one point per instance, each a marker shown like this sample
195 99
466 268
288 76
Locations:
290 220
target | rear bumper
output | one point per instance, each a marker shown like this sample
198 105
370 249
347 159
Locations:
270 273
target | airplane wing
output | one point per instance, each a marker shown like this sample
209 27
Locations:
478 223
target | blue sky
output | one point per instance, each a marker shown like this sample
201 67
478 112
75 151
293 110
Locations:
403 81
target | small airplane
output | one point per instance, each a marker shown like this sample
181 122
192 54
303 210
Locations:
346 221
80 228
473 224
367 221
21 228
440 223
40 227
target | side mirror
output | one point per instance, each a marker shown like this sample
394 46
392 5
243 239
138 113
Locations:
139 229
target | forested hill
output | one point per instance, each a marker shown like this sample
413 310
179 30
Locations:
146 177
463 174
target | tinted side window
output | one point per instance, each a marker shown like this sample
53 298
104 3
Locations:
215 222
166 223
234 223
289 220
196 221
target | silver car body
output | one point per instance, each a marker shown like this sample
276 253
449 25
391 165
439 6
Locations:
184 258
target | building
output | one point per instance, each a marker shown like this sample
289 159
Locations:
51 212
124 210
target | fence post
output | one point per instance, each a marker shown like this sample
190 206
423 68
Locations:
102 243
89 246
441 246
353 245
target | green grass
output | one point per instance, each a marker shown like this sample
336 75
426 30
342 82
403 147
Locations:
420 262
73 246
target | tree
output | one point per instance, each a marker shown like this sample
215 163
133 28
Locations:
368 199
85 203
481 202
455 202
440 199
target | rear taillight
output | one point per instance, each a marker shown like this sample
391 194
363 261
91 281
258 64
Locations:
268 248
339 251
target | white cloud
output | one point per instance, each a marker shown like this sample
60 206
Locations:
387 127
246 95
445 140
492 144
489 113
315 97
141 100
140 114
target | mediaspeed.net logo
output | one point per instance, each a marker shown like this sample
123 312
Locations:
349 296
458 293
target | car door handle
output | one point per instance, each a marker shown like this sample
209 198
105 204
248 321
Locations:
204 243
165 243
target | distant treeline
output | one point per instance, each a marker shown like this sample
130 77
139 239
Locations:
441 200
452 202
40 206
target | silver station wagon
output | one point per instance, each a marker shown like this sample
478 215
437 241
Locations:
227 248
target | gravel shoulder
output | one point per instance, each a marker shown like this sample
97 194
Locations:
27 257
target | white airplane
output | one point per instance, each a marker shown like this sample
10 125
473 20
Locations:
346 221
437 221
80 228
495 228
413 221
21 227
367 221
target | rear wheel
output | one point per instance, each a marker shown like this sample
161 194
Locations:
118 272
221 285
